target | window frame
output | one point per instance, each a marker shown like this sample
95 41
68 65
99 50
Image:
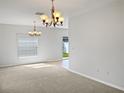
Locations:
18 35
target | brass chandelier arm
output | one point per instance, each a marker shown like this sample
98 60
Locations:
55 19
34 25
34 32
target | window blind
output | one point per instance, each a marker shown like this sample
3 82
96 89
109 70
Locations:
27 45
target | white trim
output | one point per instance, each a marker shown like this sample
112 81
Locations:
13 65
95 79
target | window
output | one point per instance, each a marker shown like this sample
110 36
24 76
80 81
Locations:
27 45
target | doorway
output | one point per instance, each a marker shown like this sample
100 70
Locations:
65 47
65 52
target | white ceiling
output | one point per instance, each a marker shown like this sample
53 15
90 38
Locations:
23 11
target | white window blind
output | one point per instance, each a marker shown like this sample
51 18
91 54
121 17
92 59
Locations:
27 45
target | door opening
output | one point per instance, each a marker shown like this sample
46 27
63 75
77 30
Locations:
65 47
65 52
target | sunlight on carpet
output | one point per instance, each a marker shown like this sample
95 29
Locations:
38 65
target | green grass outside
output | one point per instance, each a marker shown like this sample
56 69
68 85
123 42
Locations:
65 54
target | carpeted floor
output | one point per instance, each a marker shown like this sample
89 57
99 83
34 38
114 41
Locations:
47 78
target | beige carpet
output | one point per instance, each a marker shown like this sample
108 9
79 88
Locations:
47 78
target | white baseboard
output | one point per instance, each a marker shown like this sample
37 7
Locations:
95 79
12 65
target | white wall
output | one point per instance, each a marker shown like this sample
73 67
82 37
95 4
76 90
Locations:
0 49
50 45
97 44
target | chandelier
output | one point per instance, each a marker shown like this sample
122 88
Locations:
34 32
55 20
